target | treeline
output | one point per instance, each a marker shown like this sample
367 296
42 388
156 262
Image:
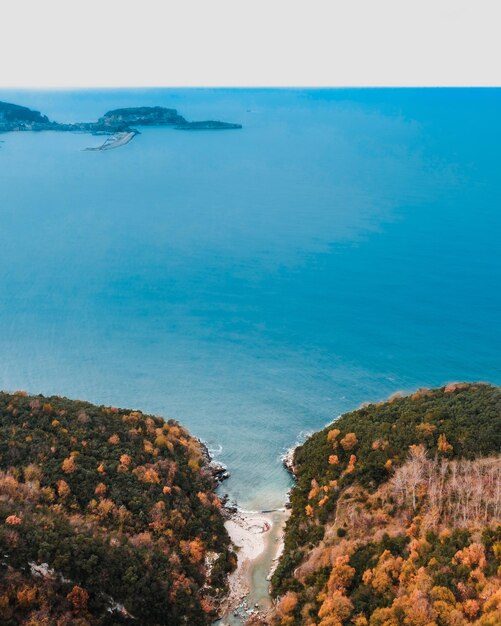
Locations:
396 515
107 516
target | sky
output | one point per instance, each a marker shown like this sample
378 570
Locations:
111 43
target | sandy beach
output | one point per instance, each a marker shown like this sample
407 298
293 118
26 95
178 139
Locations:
258 541
248 531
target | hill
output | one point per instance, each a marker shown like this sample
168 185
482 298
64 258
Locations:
10 113
141 116
396 516
107 516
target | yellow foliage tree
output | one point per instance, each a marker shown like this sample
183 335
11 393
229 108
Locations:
69 465
341 574
443 445
425 430
335 610
287 603
63 489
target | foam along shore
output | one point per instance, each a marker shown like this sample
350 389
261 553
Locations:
115 141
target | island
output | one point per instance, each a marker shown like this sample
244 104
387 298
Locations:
122 123
208 125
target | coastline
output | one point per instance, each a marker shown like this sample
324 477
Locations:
258 538
120 124
218 470
248 532
288 459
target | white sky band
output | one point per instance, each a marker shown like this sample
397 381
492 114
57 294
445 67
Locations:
57 43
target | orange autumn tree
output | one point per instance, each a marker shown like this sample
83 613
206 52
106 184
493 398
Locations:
63 489
78 598
71 509
349 441
414 508
69 464
100 490
336 606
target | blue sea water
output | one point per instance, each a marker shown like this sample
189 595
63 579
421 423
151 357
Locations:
253 284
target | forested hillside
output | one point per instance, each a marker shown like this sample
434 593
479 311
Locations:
396 516
107 516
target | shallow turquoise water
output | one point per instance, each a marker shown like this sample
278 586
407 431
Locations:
254 284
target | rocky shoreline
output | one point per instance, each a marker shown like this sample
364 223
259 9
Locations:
256 535
288 460
248 532
217 470
118 123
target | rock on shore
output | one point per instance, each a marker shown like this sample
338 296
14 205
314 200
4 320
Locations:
218 470
288 460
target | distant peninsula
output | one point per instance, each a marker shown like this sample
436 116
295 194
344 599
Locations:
120 123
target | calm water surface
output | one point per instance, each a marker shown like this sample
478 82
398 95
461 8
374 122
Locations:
253 284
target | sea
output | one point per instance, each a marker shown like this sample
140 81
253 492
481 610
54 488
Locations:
253 284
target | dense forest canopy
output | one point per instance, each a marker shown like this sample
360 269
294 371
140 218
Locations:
107 516
396 515
16 113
